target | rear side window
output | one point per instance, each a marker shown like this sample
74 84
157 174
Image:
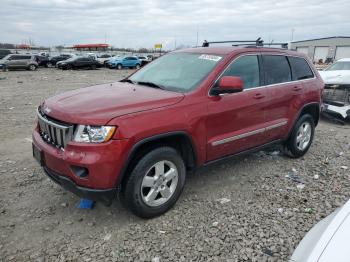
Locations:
247 68
276 69
301 69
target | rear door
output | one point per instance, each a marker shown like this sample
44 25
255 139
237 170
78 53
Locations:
285 95
79 62
235 122
24 61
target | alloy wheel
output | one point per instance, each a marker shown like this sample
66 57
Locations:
303 137
159 183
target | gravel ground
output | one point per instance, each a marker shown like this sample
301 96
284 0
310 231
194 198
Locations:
253 208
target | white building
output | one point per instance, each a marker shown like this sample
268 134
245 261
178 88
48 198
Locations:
325 49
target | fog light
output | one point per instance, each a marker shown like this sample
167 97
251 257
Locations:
79 171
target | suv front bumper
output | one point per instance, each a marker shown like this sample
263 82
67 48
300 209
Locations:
104 196
88 170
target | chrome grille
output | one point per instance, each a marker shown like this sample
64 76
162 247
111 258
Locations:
55 133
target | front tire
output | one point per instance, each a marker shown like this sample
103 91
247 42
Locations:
32 67
119 67
301 137
137 66
156 183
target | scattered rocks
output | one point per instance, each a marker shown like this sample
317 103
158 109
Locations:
223 200
107 237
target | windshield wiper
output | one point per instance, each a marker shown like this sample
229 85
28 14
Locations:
150 84
126 80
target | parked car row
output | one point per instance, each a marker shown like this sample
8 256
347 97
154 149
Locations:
69 61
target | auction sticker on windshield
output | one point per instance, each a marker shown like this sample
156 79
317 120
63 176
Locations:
210 57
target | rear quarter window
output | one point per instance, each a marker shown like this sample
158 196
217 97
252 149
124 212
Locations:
276 69
301 69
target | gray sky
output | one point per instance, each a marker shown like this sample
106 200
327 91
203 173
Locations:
143 23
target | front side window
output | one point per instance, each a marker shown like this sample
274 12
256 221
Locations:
276 69
179 72
247 68
301 69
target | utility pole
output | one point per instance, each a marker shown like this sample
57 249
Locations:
292 36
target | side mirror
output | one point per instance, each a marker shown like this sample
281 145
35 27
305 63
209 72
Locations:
228 85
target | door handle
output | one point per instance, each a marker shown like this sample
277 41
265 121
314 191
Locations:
297 88
258 96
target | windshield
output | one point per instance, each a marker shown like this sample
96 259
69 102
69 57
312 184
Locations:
180 72
339 66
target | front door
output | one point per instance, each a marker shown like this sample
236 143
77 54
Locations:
236 122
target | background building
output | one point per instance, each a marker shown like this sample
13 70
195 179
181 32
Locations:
327 49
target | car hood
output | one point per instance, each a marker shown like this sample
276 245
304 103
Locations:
336 76
327 240
97 105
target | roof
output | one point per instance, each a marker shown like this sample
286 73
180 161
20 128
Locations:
90 45
225 50
321 39
344 60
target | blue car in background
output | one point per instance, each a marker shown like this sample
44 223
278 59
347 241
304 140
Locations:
128 61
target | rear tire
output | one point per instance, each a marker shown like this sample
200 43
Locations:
93 67
49 64
301 137
155 183
137 66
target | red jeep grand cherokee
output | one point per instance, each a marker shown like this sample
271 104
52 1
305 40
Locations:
141 136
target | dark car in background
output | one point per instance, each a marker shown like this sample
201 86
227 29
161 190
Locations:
53 60
4 52
42 60
79 62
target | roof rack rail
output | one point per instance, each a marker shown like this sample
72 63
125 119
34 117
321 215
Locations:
248 43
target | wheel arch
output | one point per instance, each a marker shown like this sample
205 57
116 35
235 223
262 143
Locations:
311 108
180 140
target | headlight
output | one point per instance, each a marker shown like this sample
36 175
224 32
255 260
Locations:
93 134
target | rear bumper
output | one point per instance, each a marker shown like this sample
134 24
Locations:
104 196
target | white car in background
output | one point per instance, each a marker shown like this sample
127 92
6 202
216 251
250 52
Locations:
328 240
336 96
102 59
